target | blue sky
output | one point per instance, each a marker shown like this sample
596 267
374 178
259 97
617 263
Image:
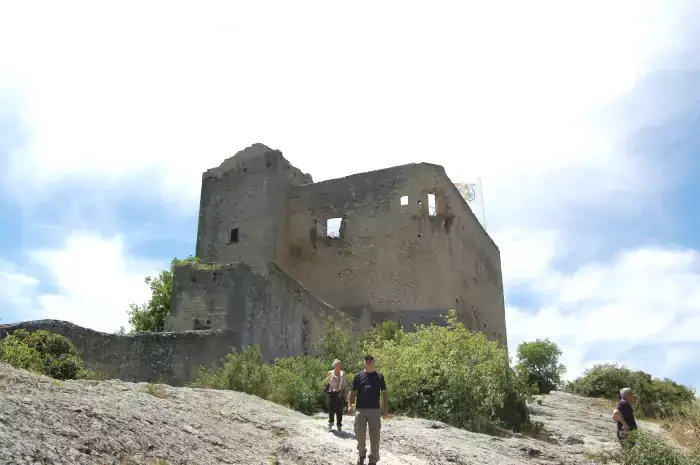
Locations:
581 119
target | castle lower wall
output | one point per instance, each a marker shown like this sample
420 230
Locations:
270 309
170 358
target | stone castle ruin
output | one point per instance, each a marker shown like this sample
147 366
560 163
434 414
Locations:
283 254
395 244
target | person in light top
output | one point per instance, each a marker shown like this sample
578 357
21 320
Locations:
336 388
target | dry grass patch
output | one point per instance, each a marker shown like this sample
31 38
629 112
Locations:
156 390
686 430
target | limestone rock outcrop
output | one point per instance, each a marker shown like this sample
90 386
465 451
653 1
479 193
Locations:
45 421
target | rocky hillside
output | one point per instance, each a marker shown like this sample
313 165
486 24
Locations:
44 421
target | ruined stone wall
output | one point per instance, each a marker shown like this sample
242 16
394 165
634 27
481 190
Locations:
159 357
267 308
476 269
394 258
241 204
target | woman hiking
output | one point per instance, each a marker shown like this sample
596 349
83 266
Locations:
336 388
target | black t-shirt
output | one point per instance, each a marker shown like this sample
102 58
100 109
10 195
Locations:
368 386
627 414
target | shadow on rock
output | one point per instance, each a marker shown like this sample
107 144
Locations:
343 434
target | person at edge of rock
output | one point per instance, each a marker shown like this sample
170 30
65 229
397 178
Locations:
370 386
336 390
624 415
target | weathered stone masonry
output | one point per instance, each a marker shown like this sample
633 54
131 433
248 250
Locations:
268 308
168 357
408 249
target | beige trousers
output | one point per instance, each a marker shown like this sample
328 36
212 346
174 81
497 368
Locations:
363 419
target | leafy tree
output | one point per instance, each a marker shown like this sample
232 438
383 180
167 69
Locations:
538 364
151 316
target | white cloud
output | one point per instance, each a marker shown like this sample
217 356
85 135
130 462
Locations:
16 291
642 297
93 279
168 91
527 256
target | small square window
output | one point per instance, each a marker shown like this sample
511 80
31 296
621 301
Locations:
404 200
233 237
333 227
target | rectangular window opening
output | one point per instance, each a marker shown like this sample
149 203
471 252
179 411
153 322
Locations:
431 205
404 200
233 236
333 227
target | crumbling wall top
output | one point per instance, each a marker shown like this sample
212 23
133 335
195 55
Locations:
257 158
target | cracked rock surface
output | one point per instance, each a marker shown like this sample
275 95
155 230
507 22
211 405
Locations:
44 421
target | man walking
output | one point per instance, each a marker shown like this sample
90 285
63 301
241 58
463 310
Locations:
369 386
624 415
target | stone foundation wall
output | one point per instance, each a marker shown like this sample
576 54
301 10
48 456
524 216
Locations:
159 357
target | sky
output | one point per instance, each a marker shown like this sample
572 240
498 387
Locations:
580 118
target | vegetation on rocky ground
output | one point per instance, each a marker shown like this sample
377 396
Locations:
43 352
444 373
656 398
646 448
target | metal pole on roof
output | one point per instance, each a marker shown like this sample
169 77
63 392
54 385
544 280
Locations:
483 210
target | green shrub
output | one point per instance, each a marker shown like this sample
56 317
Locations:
297 382
450 374
291 381
441 373
339 342
645 448
538 365
43 352
243 371
18 354
656 398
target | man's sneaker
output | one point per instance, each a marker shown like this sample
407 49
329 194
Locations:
330 426
340 428
361 461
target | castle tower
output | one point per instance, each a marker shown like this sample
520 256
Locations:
242 207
